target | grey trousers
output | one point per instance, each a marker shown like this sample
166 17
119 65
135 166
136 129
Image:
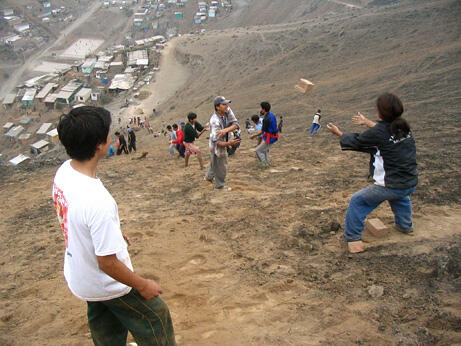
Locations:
217 170
262 153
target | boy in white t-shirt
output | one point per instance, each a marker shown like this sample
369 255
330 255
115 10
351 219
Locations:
97 266
316 122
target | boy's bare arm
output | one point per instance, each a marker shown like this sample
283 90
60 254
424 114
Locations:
113 267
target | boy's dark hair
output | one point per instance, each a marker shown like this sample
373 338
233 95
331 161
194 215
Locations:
255 118
266 106
389 106
175 126
117 133
82 130
319 111
168 127
191 116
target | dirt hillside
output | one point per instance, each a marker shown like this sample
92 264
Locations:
261 264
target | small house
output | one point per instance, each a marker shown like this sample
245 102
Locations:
25 120
53 135
178 15
122 82
7 126
43 129
83 95
18 159
28 98
116 66
24 137
88 65
50 100
14 132
8 12
8 101
39 147
22 28
49 87
67 93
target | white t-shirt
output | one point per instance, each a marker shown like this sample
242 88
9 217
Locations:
88 216
316 119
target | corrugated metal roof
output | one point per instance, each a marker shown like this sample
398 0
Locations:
46 89
18 159
29 95
53 133
9 99
40 144
44 128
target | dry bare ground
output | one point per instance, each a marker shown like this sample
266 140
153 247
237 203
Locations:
261 264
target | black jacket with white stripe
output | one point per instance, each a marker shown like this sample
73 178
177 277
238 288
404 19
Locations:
393 162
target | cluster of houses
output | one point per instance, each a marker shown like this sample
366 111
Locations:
154 10
23 35
111 71
44 137
114 70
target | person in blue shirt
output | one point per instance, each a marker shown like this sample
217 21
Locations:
269 132
111 151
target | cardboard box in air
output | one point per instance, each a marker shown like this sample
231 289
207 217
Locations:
304 86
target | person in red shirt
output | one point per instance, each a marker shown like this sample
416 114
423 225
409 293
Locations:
179 142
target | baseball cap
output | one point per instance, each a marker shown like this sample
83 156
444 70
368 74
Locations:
182 123
221 100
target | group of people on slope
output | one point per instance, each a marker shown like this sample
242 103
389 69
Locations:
121 144
97 265
222 124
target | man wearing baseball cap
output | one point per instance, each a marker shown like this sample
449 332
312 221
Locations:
222 122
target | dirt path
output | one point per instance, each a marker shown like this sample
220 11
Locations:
170 78
18 74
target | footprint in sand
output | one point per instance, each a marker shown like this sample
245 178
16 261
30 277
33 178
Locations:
208 334
193 262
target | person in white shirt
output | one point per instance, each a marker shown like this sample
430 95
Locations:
97 266
316 122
